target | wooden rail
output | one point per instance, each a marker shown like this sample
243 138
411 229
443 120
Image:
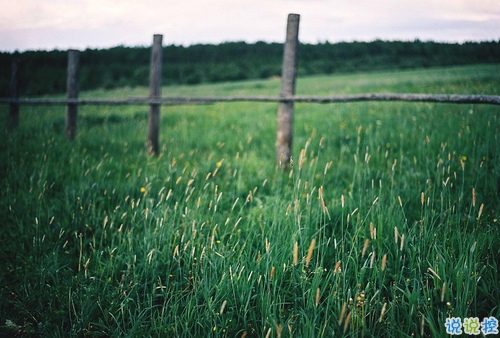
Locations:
173 101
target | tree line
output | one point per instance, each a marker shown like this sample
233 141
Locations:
44 72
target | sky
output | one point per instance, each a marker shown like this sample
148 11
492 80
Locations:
81 24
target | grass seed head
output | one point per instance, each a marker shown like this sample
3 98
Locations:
382 313
480 211
443 292
365 246
279 329
342 313
422 326
347 321
327 166
384 262
337 268
295 253
223 306
310 251
373 231
433 273
302 158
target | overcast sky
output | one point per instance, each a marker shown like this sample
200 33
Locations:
80 24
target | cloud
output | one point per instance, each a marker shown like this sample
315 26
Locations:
50 23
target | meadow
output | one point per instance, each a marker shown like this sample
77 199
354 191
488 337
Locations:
387 223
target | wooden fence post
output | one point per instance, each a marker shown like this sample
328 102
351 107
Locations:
72 93
153 146
285 109
14 94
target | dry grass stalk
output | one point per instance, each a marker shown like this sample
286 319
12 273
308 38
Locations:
318 297
422 198
402 242
433 273
271 274
396 235
443 291
473 197
382 314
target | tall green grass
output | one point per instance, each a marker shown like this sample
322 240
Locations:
387 223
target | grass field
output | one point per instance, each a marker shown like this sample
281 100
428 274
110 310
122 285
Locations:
387 224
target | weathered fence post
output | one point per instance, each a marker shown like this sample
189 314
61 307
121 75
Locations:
14 94
285 109
72 93
153 146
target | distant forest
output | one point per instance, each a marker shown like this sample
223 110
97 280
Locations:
44 72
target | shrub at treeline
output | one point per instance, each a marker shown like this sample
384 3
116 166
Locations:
44 72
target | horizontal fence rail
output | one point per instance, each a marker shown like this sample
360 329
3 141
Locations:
286 98
439 98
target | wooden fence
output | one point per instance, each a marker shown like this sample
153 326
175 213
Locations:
286 97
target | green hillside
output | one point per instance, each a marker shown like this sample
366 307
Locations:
44 72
